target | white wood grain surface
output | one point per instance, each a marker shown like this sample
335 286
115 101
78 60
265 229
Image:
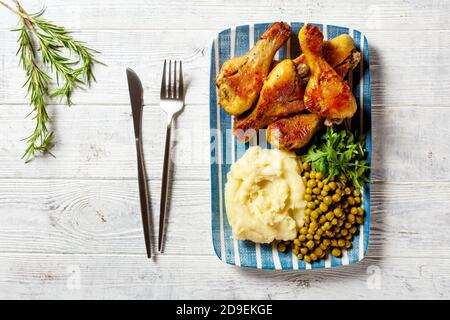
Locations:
76 217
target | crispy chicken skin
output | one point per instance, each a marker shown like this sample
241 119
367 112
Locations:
341 54
241 78
282 92
293 132
326 93
281 95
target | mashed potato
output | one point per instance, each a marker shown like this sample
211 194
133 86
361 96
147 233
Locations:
263 196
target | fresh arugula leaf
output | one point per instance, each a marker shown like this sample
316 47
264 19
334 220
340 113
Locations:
339 154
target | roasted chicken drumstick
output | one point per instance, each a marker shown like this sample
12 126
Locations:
281 95
241 78
326 93
293 132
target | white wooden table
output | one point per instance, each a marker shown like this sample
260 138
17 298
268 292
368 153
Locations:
70 227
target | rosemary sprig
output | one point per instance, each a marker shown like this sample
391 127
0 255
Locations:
45 46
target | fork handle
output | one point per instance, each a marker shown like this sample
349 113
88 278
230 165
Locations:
164 186
143 196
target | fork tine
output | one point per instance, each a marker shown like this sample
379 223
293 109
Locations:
175 79
180 85
169 85
163 82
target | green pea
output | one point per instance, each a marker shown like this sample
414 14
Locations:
310 244
311 183
310 205
336 197
337 212
330 215
329 234
348 244
351 201
327 200
351 218
306 166
323 207
314 214
318 251
336 252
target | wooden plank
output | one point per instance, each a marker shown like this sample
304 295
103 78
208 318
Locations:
97 142
199 277
397 58
203 14
103 217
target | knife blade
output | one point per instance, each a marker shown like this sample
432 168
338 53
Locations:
136 99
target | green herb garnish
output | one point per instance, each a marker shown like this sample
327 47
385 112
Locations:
47 50
339 154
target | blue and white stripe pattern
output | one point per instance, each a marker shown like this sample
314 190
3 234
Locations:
225 149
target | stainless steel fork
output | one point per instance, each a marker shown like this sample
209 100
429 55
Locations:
172 102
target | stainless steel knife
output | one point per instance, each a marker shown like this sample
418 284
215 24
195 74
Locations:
136 99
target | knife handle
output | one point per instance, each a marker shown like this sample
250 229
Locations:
164 187
143 196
